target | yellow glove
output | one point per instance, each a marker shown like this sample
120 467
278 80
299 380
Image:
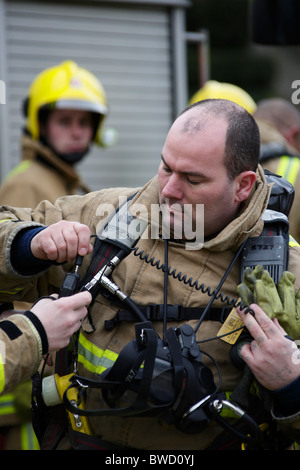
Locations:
281 302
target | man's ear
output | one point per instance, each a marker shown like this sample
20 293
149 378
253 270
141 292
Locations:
243 185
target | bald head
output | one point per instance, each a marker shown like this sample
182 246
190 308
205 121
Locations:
242 140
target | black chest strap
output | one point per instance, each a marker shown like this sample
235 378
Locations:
155 312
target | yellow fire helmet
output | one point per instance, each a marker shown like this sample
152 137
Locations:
65 86
227 91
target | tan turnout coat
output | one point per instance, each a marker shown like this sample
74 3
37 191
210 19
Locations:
35 179
144 284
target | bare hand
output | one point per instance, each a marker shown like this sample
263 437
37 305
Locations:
62 241
61 317
270 355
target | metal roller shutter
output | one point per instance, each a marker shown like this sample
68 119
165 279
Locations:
127 48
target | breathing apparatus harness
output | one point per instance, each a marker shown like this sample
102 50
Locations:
160 376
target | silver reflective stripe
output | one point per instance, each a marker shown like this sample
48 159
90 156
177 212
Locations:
93 358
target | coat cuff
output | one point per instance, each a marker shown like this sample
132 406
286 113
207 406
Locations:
287 401
40 329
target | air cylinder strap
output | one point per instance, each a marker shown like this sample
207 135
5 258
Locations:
155 312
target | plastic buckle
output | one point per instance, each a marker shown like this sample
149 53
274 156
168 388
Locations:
155 312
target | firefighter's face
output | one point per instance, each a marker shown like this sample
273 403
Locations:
192 171
69 131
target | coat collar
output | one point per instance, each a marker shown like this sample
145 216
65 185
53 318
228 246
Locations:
248 223
31 149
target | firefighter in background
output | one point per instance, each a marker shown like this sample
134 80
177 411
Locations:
65 109
226 91
279 126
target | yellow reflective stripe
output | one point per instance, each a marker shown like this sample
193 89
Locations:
93 358
288 168
293 242
22 166
28 438
7 405
12 292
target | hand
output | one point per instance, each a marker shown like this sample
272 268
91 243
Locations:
270 354
61 317
62 241
281 302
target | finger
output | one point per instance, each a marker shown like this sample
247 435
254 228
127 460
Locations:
82 299
76 240
76 301
49 243
280 328
84 236
259 325
43 246
247 354
64 238
70 243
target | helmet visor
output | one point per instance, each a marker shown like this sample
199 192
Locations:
81 104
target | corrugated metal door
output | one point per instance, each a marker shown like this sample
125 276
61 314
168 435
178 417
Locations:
127 48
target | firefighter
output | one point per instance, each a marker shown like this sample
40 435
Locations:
210 157
65 109
226 91
279 126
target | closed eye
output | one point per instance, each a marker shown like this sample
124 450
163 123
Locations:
192 182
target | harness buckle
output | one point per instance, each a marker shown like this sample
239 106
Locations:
155 312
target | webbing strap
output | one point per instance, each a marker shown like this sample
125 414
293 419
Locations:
155 312
103 252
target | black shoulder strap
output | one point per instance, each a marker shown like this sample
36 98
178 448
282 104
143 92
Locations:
282 193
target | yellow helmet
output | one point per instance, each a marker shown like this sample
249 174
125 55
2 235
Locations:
65 86
227 91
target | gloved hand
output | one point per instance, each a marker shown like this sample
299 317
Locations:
281 302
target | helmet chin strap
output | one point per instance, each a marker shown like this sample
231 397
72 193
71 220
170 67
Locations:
70 158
